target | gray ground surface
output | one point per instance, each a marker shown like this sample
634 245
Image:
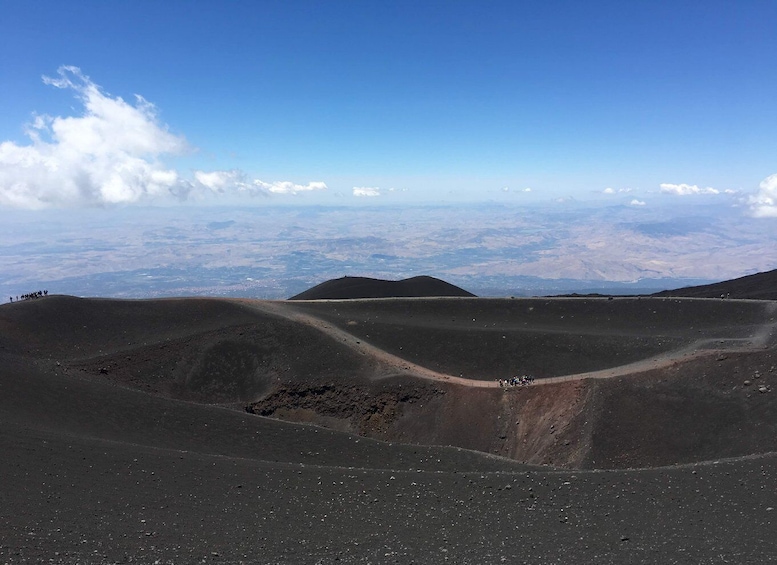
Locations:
102 470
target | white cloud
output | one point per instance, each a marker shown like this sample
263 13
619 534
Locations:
527 189
286 187
366 191
107 155
764 203
221 182
110 154
686 189
610 190
237 182
636 202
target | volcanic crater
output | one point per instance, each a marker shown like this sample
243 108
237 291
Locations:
375 430
626 382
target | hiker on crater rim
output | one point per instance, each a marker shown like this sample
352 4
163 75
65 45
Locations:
514 381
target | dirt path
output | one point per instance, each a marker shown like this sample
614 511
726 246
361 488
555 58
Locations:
764 338
357 344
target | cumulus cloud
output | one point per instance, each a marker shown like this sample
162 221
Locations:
107 155
764 203
686 189
367 191
286 187
110 154
221 182
636 202
237 182
610 190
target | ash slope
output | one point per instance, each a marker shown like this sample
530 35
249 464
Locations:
616 379
760 286
623 376
114 450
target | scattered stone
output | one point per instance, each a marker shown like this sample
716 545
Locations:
748 382
763 388
624 538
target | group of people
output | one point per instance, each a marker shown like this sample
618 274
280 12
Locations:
31 295
525 380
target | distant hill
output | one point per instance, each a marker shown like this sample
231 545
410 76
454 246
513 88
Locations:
761 286
364 287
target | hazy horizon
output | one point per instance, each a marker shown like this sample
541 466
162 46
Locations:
488 249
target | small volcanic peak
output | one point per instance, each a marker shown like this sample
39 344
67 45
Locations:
760 286
364 287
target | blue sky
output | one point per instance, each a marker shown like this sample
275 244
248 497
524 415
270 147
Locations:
388 101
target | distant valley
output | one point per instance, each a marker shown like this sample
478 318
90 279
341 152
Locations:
276 252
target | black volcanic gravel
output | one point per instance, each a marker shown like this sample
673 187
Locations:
75 499
92 472
185 483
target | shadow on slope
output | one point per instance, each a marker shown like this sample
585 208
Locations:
205 350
